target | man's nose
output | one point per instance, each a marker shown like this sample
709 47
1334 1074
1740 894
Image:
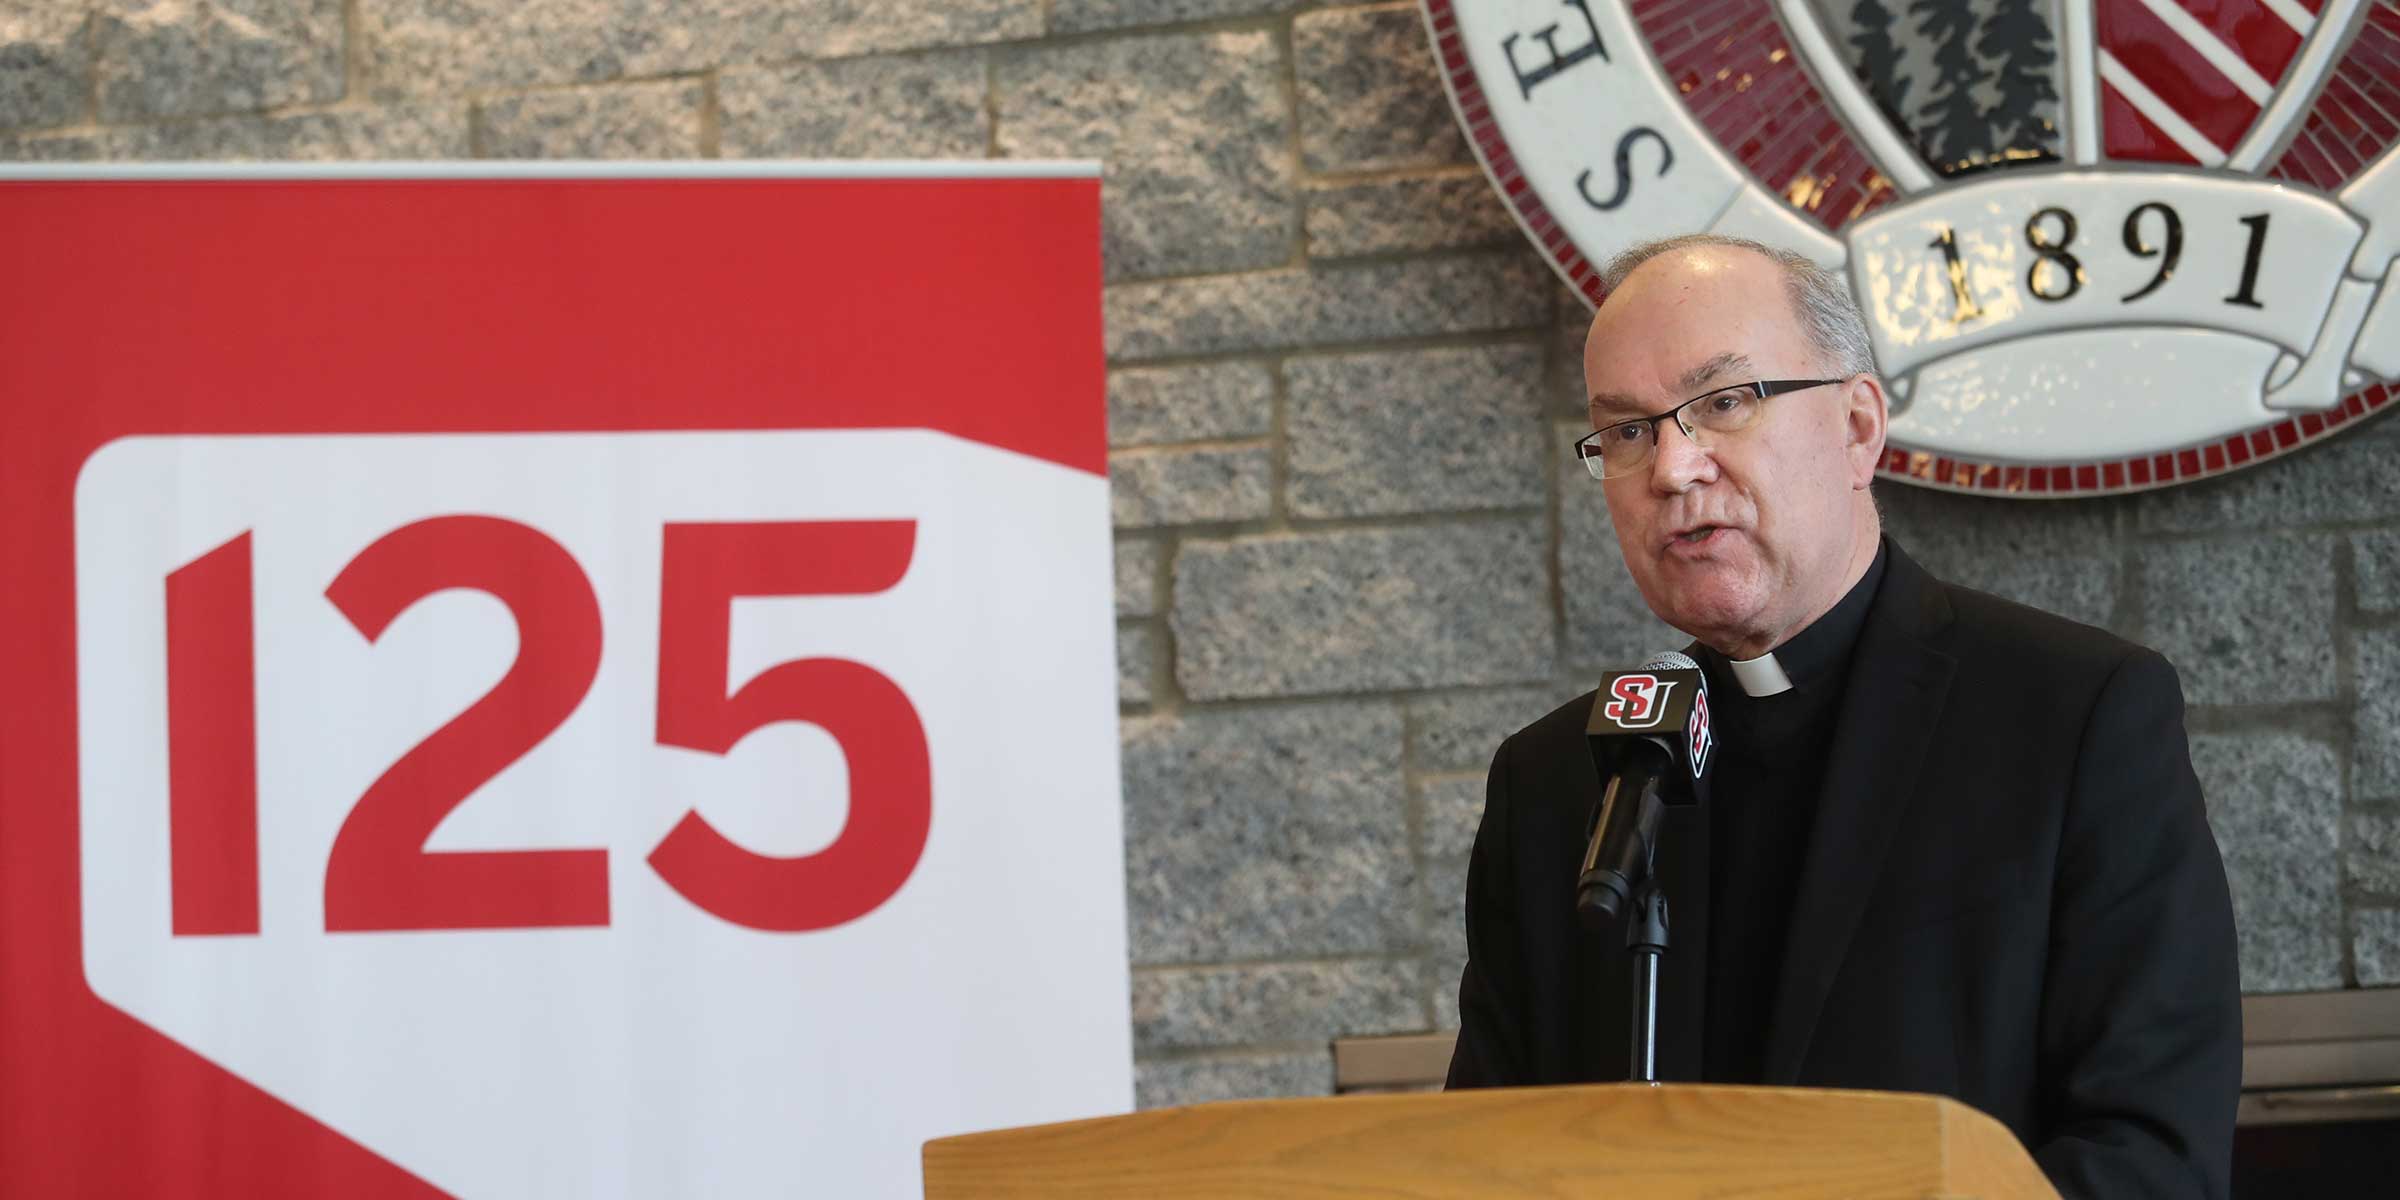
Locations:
1679 463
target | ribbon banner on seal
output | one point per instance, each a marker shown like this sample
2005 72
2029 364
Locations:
2024 256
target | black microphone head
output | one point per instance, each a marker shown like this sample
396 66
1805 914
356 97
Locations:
1600 896
1650 740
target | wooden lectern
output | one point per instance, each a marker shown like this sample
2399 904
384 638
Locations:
1630 1140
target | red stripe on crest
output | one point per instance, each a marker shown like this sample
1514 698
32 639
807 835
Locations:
2126 133
2251 29
2167 65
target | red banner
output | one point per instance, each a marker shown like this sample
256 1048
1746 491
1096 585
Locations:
541 683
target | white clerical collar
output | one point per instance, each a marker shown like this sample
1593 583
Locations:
1761 676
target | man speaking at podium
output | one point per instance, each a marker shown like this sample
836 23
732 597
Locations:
1952 844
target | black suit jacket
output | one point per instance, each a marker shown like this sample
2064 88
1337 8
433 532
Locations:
2010 896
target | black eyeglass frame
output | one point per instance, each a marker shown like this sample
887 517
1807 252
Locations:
1760 388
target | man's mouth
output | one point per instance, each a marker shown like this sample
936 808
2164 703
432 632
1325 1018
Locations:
1695 536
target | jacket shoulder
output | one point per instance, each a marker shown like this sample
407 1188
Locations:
1561 728
2004 639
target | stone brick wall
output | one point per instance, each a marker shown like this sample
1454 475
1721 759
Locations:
1349 556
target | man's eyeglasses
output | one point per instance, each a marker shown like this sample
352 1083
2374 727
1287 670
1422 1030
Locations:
1628 446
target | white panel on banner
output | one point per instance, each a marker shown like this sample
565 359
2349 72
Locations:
665 1050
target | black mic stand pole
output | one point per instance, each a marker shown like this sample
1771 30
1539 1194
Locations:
1646 940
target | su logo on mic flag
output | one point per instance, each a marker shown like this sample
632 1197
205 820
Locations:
1655 698
1638 701
1702 736
2102 245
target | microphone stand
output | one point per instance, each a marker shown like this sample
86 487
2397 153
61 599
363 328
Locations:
1626 886
1646 941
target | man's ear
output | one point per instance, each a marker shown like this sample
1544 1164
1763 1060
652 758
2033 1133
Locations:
1865 416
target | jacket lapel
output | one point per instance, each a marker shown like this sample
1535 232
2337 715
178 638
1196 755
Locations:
1898 683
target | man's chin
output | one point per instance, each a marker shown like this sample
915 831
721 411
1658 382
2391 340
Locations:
1718 618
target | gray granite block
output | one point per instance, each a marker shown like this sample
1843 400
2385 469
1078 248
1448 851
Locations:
2373 853
2375 769
1451 211
188 58
2061 556
45 64
1137 664
1084 16
1449 808
2375 558
1326 305
1370 96
2275 804
2246 620
1204 402
1570 322
1443 994
2376 947
1152 488
627 120
931 106
395 131
1459 731
1137 578
1177 1008
1609 625
54 147
1193 131
1266 833
1364 610
1266 1076
1414 431
2345 478
445 47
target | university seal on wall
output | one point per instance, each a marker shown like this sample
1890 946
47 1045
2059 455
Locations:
2102 245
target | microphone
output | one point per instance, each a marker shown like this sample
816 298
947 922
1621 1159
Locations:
1651 740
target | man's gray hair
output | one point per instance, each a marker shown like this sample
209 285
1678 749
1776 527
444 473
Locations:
1820 298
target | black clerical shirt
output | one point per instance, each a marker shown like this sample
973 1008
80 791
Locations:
1762 802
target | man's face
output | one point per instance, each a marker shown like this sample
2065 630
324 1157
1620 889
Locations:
1742 542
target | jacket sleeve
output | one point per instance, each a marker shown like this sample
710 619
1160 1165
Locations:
1491 1011
2141 1022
